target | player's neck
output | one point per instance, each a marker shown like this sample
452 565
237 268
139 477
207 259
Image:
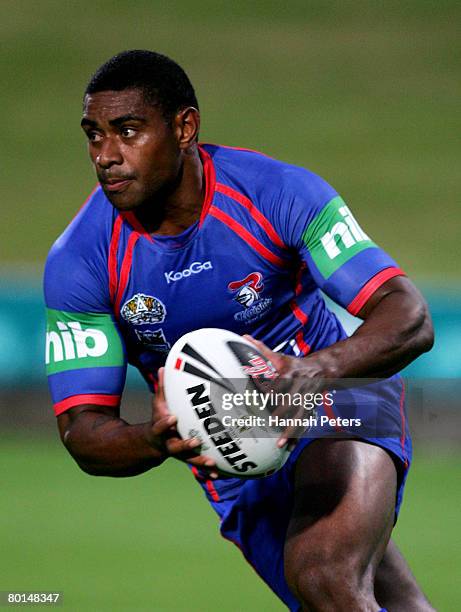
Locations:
182 207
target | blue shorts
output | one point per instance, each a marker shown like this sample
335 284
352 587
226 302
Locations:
255 513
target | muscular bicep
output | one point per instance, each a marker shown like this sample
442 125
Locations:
399 284
398 306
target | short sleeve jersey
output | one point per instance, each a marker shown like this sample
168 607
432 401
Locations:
270 238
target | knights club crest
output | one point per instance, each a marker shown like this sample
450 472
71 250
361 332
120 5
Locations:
143 309
247 292
248 289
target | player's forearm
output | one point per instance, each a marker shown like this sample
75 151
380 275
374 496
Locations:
379 348
103 445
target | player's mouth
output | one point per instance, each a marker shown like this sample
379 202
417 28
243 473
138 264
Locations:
116 184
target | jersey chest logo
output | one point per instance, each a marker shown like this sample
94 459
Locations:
154 340
143 309
195 268
248 294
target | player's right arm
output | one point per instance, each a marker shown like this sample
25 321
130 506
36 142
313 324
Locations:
86 372
103 444
86 368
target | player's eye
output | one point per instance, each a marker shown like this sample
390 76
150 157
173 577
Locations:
93 136
127 132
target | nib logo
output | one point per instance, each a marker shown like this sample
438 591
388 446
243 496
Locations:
348 232
73 342
333 237
81 340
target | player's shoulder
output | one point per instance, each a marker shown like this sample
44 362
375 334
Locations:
267 181
89 226
79 254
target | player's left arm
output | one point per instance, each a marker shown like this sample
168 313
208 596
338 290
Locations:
397 328
352 270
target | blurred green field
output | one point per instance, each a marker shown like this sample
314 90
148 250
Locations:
365 93
151 542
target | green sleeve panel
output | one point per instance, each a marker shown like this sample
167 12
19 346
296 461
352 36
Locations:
76 340
333 237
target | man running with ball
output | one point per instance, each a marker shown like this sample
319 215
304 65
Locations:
259 240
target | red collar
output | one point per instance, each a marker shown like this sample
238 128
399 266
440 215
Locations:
209 175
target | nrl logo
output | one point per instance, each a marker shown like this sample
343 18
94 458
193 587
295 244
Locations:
142 309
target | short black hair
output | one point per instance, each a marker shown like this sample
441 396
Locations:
163 82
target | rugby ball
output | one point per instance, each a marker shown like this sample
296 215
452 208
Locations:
212 381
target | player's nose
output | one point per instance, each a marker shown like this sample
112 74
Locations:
109 154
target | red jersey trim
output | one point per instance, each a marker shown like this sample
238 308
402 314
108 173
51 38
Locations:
305 348
77 400
298 279
212 490
208 483
299 314
302 318
254 212
210 181
112 259
370 287
209 176
118 286
125 270
247 237
132 219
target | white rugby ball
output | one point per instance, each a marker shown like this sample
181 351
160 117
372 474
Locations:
206 375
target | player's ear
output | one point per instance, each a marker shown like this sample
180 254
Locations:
187 126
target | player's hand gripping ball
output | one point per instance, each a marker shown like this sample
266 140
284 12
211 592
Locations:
213 385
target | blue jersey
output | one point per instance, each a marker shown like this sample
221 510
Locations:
270 237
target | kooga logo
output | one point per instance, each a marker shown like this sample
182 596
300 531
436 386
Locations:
195 268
